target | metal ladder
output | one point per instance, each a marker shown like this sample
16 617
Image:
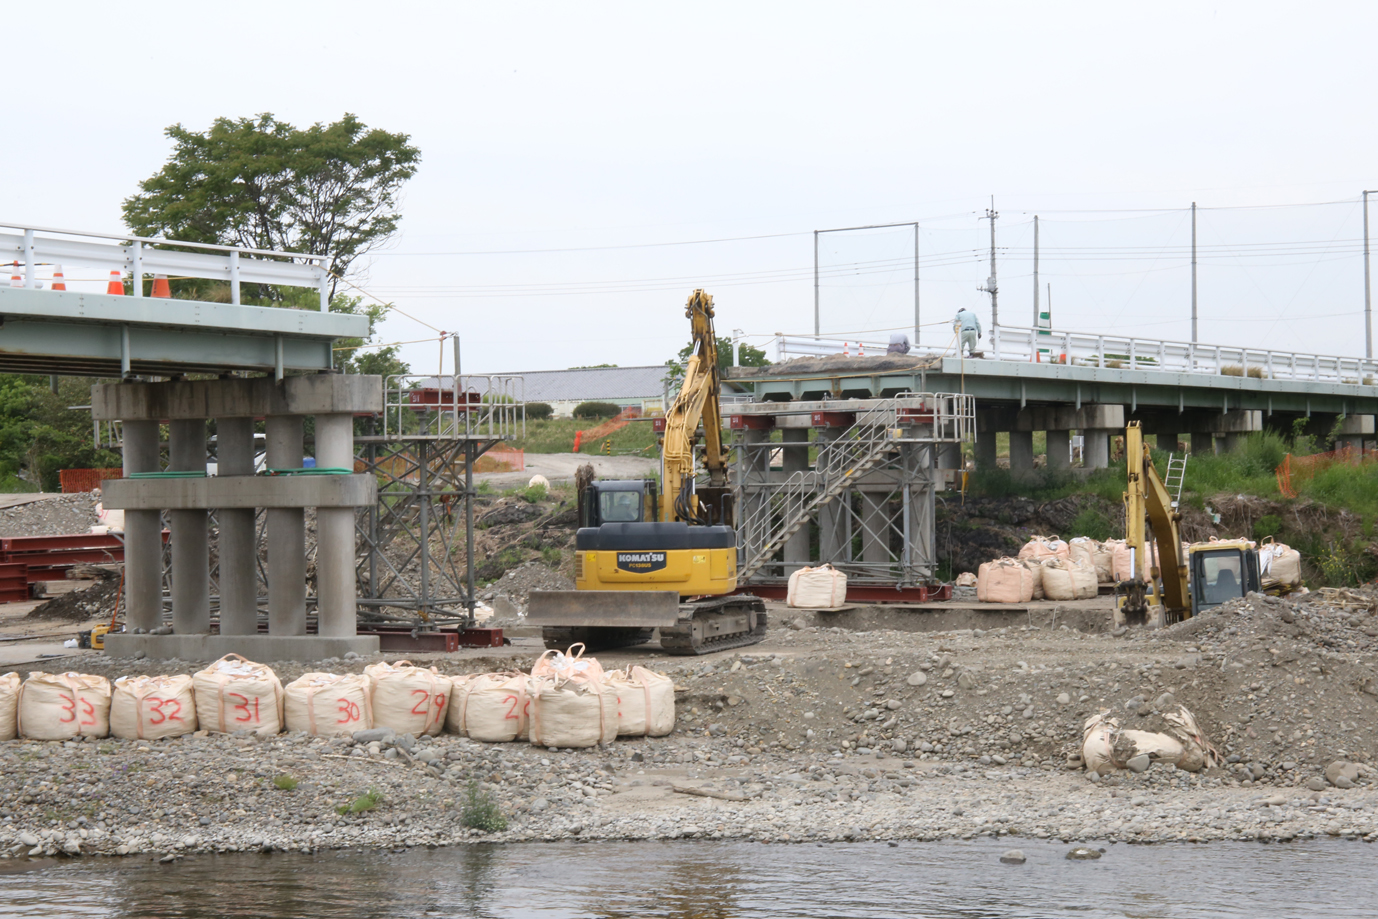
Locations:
848 457
1176 475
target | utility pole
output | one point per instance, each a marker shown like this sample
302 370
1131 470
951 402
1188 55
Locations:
1193 272
916 285
1368 295
991 287
815 285
1035 316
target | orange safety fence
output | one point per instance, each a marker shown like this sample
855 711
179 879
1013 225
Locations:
79 480
1296 469
501 459
615 423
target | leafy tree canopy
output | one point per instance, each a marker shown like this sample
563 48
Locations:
330 189
748 356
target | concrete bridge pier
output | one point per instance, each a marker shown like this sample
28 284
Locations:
1059 450
1354 430
143 534
190 537
238 555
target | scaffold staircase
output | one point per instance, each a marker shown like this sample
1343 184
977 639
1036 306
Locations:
850 456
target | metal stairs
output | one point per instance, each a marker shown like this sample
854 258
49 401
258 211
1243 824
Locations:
855 452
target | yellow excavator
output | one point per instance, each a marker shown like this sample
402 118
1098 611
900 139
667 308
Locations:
1173 583
668 561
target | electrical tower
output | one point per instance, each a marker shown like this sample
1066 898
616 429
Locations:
991 287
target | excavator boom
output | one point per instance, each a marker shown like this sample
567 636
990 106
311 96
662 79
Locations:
697 403
1147 501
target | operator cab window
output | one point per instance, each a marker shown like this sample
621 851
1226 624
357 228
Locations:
1223 574
619 506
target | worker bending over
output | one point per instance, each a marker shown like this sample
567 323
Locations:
968 328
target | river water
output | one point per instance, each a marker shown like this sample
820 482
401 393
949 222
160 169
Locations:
716 880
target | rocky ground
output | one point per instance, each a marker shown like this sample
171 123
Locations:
53 515
819 733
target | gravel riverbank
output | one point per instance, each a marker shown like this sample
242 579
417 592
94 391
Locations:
817 734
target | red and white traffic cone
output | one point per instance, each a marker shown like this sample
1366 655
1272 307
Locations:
845 352
116 286
861 349
59 282
160 286
16 280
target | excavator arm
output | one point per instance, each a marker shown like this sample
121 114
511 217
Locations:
1146 501
696 403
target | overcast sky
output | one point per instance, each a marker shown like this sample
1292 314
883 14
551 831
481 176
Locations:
617 128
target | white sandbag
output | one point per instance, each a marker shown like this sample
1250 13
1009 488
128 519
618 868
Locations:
152 707
567 663
490 707
9 706
1120 559
329 703
410 700
59 706
1057 580
1103 561
540 480
1097 743
235 695
1004 580
572 712
1085 584
645 702
1279 562
1045 547
1036 570
965 579
823 587
1159 748
1082 549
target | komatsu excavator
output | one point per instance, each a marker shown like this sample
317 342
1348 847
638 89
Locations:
666 561
1177 581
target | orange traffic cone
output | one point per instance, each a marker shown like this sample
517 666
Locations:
116 285
160 286
15 279
860 349
59 283
845 351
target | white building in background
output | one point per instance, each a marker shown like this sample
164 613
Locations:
562 390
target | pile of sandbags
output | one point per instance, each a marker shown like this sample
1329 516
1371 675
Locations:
152 707
1106 746
329 703
1279 562
409 699
60 706
1004 580
1041 547
235 694
1035 567
1120 565
1068 580
491 707
823 587
9 706
572 704
1088 551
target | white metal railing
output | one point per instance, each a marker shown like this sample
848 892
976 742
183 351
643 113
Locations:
798 346
1011 343
491 406
138 257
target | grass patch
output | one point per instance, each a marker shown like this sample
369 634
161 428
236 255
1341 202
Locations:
479 811
285 782
367 801
1094 523
13 485
533 494
556 435
1050 484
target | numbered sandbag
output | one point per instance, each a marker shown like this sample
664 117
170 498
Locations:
965 579
645 702
9 706
60 706
1279 562
489 707
1085 584
823 587
329 703
409 699
571 712
234 695
567 663
1004 580
152 707
1057 580
1036 569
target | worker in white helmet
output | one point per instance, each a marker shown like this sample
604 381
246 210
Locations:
968 329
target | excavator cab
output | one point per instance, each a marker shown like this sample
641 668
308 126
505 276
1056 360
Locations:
1222 571
618 501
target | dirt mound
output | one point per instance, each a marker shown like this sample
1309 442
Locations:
94 602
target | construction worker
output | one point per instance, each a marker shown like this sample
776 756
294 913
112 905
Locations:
968 328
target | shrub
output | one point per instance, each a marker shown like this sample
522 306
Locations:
538 411
1267 525
533 493
367 801
587 411
285 782
1092 522
1235 370
480 811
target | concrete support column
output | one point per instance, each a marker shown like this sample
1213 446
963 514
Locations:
286 535
1202 444
143 535
1168 443
949 456
1096 449
191 587
336 586
875 535
1059 450
795 458
985 451
1231 442
1021 454
238 545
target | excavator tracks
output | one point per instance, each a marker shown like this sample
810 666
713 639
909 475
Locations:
716 624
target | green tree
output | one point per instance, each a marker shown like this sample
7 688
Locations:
748 355
330 189
40 435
